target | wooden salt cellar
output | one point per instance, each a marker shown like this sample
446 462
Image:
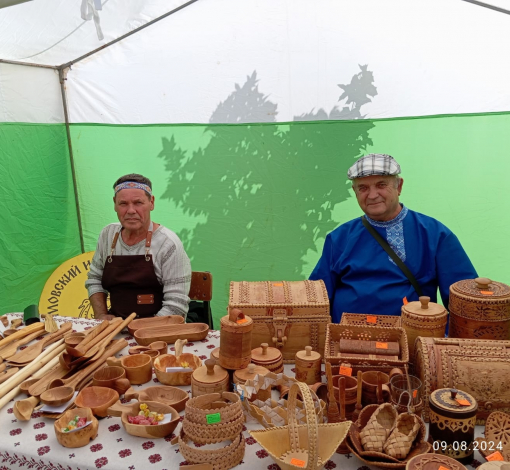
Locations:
423 318
479 309
270 358
241 376
308 366
210 378
235 340
452 421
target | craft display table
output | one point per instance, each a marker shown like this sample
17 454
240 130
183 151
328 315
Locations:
33 445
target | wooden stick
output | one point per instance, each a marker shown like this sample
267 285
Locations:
39 361
94 338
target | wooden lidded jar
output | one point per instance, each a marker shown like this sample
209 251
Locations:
308 366
210 378
423 318
235 340
452 423
270 358
242 375
479 309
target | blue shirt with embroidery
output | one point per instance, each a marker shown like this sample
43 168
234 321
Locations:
361 278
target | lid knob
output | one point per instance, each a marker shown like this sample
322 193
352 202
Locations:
308 350
424 300
210 363
264 347
453 393
482 283
251 368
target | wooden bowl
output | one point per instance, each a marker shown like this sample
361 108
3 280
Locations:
153 353
171 396
160 346
79 438
138 367
57 396
140 430
154 322
170 334
113 377
98 399
137 350
175 378
71 342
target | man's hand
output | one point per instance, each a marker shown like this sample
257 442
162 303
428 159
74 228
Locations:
98 302
104 317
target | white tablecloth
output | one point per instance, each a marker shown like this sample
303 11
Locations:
33 445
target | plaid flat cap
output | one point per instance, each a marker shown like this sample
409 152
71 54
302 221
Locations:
374 164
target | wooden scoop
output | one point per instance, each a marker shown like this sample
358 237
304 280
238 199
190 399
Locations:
23 409
10 349
57 396
26 385
30 353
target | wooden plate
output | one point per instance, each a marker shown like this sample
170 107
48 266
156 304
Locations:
170 334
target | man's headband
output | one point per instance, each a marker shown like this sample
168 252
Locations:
133 185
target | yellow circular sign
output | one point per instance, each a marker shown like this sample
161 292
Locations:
64 292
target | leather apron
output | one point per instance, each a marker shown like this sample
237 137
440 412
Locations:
132 283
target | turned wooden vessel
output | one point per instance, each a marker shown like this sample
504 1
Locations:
308 366
98 399
184 361
452 422
154 322
242 375
210 378
479 309
235 340
268 357
423 318
111 377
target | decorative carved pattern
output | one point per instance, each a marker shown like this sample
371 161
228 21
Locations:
245 292
360 319
269 292
314 336
287 293
311 294
464 425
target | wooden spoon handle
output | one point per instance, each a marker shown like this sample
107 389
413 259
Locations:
341 391
117 409
94 333
94 338
179 345
131 394
11 349
22 333
8 374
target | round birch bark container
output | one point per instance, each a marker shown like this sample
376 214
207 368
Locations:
308 366
270 358
423 318
235 340
479 309
210 378
242 375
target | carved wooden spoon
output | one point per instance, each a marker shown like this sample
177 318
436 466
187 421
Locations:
23 409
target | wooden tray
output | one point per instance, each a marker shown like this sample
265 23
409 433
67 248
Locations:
154 322
170 334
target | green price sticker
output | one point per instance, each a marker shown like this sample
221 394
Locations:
213 418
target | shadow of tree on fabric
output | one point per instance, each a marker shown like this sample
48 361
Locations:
267 190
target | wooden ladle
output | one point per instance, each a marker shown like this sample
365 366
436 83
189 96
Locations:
26 385
57 396
23 409
10 349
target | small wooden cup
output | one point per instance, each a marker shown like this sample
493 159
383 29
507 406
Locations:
138 368
160 346
79 438
112 377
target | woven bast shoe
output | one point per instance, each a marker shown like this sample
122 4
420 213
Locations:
374 434
402 436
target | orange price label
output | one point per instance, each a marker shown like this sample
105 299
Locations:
371 318
278 284
462 401
381 345
443 468
415 393
495 456
486 292
298 463
345 370
241 321
405 301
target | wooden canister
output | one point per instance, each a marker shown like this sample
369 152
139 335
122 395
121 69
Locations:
215 354
210 378
242 375
270 358
423 318
479 309
308 366
452 423
235 340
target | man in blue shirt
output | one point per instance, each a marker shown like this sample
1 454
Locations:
360 276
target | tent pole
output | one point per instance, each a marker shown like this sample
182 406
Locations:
487 5
120 38
62 75
28 64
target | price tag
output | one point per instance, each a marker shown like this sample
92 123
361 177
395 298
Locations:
298 463
462 401
345 370
443 468
381 345
372 319
278 284
415 393
486 292
213 418
495 456
241 321
405 301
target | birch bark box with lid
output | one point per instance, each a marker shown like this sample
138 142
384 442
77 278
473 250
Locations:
235 340
423 318
210 378
270 358
479 309
308 366
242 375
287 315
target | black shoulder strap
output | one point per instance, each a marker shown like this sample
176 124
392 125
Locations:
387 248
